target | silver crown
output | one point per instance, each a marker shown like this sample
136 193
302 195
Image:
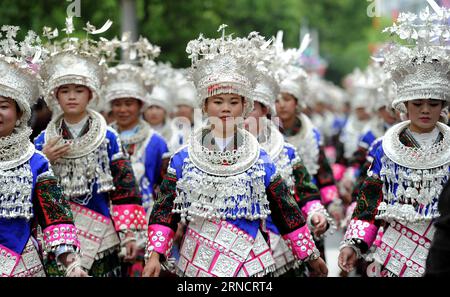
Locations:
124 81
296 84
221 66
265 85
383 85
19 63
131 80
420 70
322 91
288 71
75 61
266 90
166 81
160 96
186 94
363 88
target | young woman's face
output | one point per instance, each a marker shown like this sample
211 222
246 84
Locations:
126 112
184 111
225 109
258 111
73 98
424 114
286 107
155 115
8 116
362 114
387 116
253 119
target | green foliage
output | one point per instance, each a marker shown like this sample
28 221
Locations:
344 28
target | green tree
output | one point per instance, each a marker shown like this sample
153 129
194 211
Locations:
344 28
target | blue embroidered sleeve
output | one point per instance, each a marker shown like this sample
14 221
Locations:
269 167
115 150
153 160
39 141
375 167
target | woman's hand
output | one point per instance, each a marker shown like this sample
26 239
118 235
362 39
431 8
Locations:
347 259
131 248
319 268
153 266
53 151
320 224
68 260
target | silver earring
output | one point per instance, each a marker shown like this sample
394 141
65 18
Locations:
17 123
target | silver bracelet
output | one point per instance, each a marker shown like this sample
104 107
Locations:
127 240
349 243
315 255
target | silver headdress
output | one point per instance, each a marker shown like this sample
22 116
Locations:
378 87
385 92
292 78
130 80
363 88
221 66
266 90
265 85
19 63
186 94
420 70
75 61
159 96
185 91
319 90
165 80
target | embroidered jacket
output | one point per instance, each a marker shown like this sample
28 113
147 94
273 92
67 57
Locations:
402 189
307 140
147 155
111 204
225 203
36 191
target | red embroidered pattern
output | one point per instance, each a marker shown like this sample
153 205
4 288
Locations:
127 190
285 212
50 206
